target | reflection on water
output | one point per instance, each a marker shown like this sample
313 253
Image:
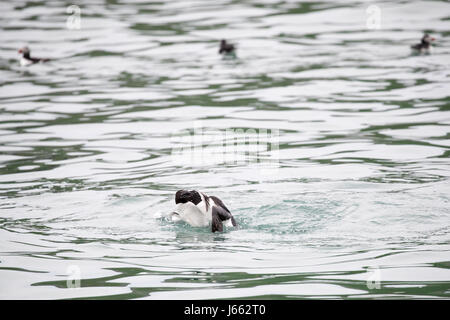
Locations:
360 190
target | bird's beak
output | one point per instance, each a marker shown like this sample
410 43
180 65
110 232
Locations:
432 39
20 51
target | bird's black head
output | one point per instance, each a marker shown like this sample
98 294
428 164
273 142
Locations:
25 51
426 39
183 196
224 44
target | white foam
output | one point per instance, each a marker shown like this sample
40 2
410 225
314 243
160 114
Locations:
189 213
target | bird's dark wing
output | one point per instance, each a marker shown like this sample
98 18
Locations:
216 224
37 60
34 60
220 214
219 202
227 48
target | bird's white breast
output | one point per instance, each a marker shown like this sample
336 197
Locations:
25 62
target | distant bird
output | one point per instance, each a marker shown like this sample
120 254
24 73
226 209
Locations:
27 60
226 48
200 210
425 44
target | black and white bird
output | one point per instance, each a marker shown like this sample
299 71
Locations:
27 60
425 44
200 210
226 48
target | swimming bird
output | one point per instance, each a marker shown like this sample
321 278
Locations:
425 44
200 210
226 48
27 60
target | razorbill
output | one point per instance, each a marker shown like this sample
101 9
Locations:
27 60
425 44
200 210
226 48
